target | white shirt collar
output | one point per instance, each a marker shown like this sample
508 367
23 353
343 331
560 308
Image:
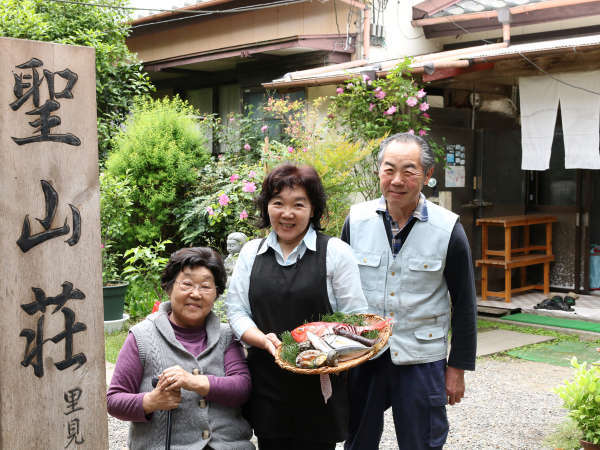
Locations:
309 241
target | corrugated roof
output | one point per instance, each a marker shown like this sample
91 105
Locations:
472 6
480 52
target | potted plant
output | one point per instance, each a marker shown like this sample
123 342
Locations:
581 396
115 202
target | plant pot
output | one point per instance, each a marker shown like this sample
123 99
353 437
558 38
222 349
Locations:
588 445
114 300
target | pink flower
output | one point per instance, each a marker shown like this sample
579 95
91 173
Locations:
243 215
421 93
234 177
223 200
247 146
101 245
378 88
426 115
391 110
210 211
251 174
424 106
411 131
371 106
304 149
339 90
220 156
380 94
231 119
264 128
411 101
422 132
249 186
366 78
350 85
290 149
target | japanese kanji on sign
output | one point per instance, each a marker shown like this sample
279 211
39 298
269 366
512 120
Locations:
52 375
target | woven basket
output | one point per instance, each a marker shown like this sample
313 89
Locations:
384 335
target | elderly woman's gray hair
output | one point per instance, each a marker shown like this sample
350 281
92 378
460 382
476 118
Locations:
427 156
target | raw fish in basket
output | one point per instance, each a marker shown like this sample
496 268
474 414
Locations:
322 328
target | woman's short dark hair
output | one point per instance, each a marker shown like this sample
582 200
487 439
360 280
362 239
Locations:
194 257
289 176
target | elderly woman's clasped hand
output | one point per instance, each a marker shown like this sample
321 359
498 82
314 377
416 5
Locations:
176 378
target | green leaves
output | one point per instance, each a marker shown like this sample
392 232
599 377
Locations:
581 395
161 149
144 266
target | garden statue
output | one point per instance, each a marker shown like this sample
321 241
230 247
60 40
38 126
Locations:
235 241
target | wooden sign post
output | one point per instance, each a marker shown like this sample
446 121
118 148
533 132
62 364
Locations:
52 371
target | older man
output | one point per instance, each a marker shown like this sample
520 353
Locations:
415 266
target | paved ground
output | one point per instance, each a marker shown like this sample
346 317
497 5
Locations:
509 404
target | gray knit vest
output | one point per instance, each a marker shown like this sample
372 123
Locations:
196 423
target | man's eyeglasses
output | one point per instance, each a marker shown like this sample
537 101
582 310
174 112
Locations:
188 286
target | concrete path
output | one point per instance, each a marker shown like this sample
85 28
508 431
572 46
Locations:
494 341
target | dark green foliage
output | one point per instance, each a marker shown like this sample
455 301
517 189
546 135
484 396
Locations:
289 348
161 149
119 75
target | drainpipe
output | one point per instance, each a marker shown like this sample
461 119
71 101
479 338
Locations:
504 18
366 25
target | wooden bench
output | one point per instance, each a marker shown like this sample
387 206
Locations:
511 258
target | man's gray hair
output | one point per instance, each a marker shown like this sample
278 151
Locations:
427 156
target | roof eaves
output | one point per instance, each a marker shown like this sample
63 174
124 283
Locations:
434 61
178 12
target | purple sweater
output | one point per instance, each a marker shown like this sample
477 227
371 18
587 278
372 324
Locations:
124 400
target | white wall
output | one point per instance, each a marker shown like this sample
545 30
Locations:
402 39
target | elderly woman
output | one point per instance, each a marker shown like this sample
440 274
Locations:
294 275
202 373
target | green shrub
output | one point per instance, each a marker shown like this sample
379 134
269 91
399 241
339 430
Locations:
144 266
115 209
161 148
581 396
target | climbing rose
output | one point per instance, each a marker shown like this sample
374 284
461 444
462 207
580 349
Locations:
210 211
424 106
243 215
234 177
422 132
350 85
252 174
391 110
411 101
426 115
290 149
339 90
247 146
223 199
264 128
371 106
421 93
380 94
411 131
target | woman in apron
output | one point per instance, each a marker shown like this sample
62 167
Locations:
295 275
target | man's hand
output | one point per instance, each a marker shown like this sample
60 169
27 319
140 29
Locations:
455 384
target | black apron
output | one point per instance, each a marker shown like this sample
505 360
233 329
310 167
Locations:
284 404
